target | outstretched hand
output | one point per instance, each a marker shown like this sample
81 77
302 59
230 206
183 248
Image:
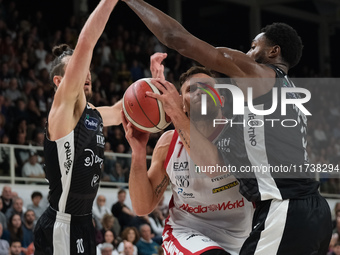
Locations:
156 66
137 139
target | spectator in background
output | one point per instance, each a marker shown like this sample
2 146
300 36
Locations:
107 249
109 222
14 230
15 248
16 208
3 219
28 227
4 245
163 207
335 249
40 52
36 197
131 235
145 245
156 221
12 93
108 238
136 71
128 248
32 167
109 164
6 197
30 249
99 209
121 211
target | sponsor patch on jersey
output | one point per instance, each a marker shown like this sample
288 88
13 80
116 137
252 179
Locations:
182 181
181 192
223 145
91 123
225 187
68 153
92 158
213 207
95 180
100 141
220 178
181 166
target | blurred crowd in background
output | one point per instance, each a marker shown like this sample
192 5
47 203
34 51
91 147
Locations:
121 57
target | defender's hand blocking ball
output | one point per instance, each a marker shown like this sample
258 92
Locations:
144 112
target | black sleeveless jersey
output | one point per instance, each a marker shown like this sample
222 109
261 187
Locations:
269 150
73 164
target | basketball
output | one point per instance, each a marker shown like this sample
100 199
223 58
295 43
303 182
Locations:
144 112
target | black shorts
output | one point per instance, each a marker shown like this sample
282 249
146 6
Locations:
292 226
63 234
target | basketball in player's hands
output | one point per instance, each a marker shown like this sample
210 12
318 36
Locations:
145 113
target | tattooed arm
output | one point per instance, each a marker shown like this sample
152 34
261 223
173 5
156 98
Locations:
146 186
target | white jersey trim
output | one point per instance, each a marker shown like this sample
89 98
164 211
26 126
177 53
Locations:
258 157
66 151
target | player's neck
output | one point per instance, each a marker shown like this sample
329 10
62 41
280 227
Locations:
282 66
205 127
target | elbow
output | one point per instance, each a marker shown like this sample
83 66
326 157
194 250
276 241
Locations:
142 211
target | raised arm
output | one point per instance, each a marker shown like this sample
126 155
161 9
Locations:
232 63
69 100
146 186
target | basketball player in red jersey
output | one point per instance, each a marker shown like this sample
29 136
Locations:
207 215
283 222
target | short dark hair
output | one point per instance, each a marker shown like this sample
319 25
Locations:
121 191
36 194
288 39
192 71
15 240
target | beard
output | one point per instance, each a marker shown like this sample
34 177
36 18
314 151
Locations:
196 115
88 94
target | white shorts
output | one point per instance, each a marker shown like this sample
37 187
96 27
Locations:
182 240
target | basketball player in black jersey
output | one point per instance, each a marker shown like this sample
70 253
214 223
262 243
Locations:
74 145
291 217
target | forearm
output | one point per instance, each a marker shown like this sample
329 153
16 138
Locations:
140 187
96 23
111 115
168 31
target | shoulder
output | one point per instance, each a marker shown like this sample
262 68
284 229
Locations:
165 139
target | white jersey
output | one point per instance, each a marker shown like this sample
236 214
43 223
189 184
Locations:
211 206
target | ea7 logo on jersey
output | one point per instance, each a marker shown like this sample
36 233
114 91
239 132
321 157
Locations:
181 166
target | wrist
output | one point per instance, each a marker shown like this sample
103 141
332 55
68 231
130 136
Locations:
178 117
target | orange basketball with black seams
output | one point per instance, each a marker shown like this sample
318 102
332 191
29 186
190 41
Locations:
144 112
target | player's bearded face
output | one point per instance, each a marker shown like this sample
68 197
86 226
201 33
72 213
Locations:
193 103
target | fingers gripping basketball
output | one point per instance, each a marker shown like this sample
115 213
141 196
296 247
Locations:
144 112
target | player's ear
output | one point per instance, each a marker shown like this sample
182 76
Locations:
223 99
57 80
275 51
